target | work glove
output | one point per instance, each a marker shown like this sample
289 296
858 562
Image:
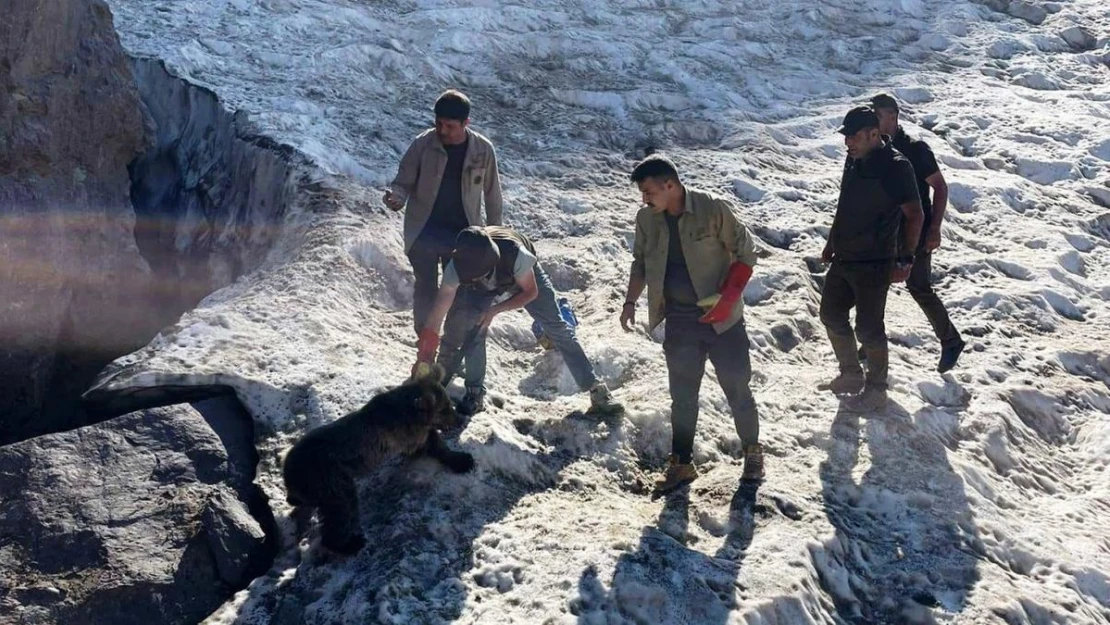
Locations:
426 348
720 305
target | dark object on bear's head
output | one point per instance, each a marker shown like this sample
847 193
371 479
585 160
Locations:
321 468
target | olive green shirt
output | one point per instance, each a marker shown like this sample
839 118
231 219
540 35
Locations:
712 239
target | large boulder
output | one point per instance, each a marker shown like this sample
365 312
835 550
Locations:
1079 38
146 518
1023 9
71 121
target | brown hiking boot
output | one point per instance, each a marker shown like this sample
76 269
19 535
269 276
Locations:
753 463
848 383
601 400
676 475
872 399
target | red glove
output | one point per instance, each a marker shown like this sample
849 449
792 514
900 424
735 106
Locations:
426 348
735 281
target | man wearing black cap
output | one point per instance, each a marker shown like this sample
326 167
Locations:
487 264
928 175
877 191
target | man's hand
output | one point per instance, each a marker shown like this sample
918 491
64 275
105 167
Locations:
486 319
827 253
901 272
932 240
628 316
392 201
426 348
720 310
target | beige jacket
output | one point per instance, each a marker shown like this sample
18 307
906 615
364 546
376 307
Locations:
421 171
712 239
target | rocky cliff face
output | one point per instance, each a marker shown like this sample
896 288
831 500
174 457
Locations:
208 195
70 122
126 196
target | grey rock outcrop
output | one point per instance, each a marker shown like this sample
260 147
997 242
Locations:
146 518
1079 38
126 196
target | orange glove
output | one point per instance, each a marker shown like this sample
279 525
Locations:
735 281
426 348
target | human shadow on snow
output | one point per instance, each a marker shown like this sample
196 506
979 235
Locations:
902 549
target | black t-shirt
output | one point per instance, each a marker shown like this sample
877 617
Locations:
448 215
869 211
679 295
924 164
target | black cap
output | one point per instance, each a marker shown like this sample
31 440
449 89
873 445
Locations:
475 254
884 101
857 119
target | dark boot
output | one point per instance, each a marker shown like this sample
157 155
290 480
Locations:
677 474
753 463
872 399
850 379
473 402
949 354
877 364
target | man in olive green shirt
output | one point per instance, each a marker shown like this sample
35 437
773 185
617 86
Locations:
692 254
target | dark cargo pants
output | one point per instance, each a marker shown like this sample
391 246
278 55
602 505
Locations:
428 255
686 345
921 289
865 287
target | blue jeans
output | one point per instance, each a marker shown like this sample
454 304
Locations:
468 308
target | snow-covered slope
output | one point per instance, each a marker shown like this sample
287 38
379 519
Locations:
980 496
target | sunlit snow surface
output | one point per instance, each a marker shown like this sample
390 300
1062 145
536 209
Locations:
981 496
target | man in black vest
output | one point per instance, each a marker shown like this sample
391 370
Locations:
877 191
495 270
928 175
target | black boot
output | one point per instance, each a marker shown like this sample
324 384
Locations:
949 354
473 402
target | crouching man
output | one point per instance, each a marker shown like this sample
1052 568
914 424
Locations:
494 270
691 251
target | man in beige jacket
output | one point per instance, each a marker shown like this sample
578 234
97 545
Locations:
445 177
693 255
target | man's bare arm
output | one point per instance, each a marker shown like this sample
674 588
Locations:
940 203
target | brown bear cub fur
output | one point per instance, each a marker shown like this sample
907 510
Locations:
321 468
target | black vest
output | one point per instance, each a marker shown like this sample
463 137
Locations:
868 218
508 243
